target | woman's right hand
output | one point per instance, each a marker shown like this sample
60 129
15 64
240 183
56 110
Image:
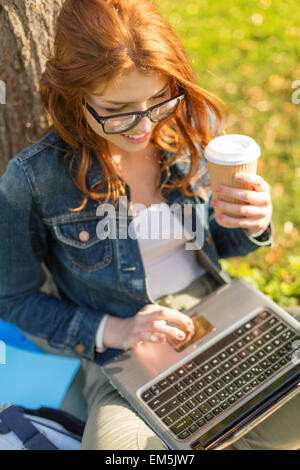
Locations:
149 324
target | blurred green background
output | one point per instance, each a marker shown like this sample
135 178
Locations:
247 53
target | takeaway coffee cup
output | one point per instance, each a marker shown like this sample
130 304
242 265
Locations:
227 155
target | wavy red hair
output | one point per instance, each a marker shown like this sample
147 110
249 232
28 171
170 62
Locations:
95 42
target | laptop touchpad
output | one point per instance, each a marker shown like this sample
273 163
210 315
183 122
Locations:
202 328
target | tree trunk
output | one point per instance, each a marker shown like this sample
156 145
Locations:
26 34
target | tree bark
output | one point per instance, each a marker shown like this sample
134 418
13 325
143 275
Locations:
26 34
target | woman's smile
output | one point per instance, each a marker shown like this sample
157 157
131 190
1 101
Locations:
137 138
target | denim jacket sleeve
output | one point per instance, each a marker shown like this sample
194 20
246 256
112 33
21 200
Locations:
22 249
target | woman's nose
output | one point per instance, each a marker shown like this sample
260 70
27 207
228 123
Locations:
144 125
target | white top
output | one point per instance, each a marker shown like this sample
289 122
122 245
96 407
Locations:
232 149
169 267
161 238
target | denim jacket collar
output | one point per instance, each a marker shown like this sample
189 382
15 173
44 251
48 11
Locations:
95 174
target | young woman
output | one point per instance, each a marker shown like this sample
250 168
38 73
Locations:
128 120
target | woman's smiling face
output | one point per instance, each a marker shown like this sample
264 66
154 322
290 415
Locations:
132 92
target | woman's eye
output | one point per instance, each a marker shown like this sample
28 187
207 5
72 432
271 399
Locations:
163 95
112 111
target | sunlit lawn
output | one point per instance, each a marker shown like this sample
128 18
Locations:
247 53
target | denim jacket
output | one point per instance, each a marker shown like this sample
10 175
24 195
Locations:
94 277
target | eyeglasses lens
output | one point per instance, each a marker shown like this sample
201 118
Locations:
119 124
162 112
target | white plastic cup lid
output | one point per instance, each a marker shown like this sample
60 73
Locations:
232 149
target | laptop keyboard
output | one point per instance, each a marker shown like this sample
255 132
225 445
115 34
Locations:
215 380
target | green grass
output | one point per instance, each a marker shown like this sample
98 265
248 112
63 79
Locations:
247 53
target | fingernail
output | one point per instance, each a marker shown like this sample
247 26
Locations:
180 335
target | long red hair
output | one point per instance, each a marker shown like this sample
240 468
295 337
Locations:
98 40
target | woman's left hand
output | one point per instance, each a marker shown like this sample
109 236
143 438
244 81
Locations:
254 214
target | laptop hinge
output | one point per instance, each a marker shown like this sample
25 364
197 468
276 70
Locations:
218 274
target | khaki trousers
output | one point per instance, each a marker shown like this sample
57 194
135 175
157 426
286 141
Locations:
113 425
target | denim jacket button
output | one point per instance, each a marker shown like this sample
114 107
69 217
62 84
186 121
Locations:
79 348
209 239
84 236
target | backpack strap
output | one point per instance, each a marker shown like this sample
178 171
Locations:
69 422
31 437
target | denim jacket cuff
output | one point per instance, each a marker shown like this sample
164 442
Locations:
82 333
264 239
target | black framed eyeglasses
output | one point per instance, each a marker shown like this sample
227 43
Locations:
119 123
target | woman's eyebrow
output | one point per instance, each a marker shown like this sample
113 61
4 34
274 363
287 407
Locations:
119 102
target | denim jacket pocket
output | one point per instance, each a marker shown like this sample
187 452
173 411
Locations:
81 244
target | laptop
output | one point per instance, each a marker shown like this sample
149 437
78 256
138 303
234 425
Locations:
241 365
